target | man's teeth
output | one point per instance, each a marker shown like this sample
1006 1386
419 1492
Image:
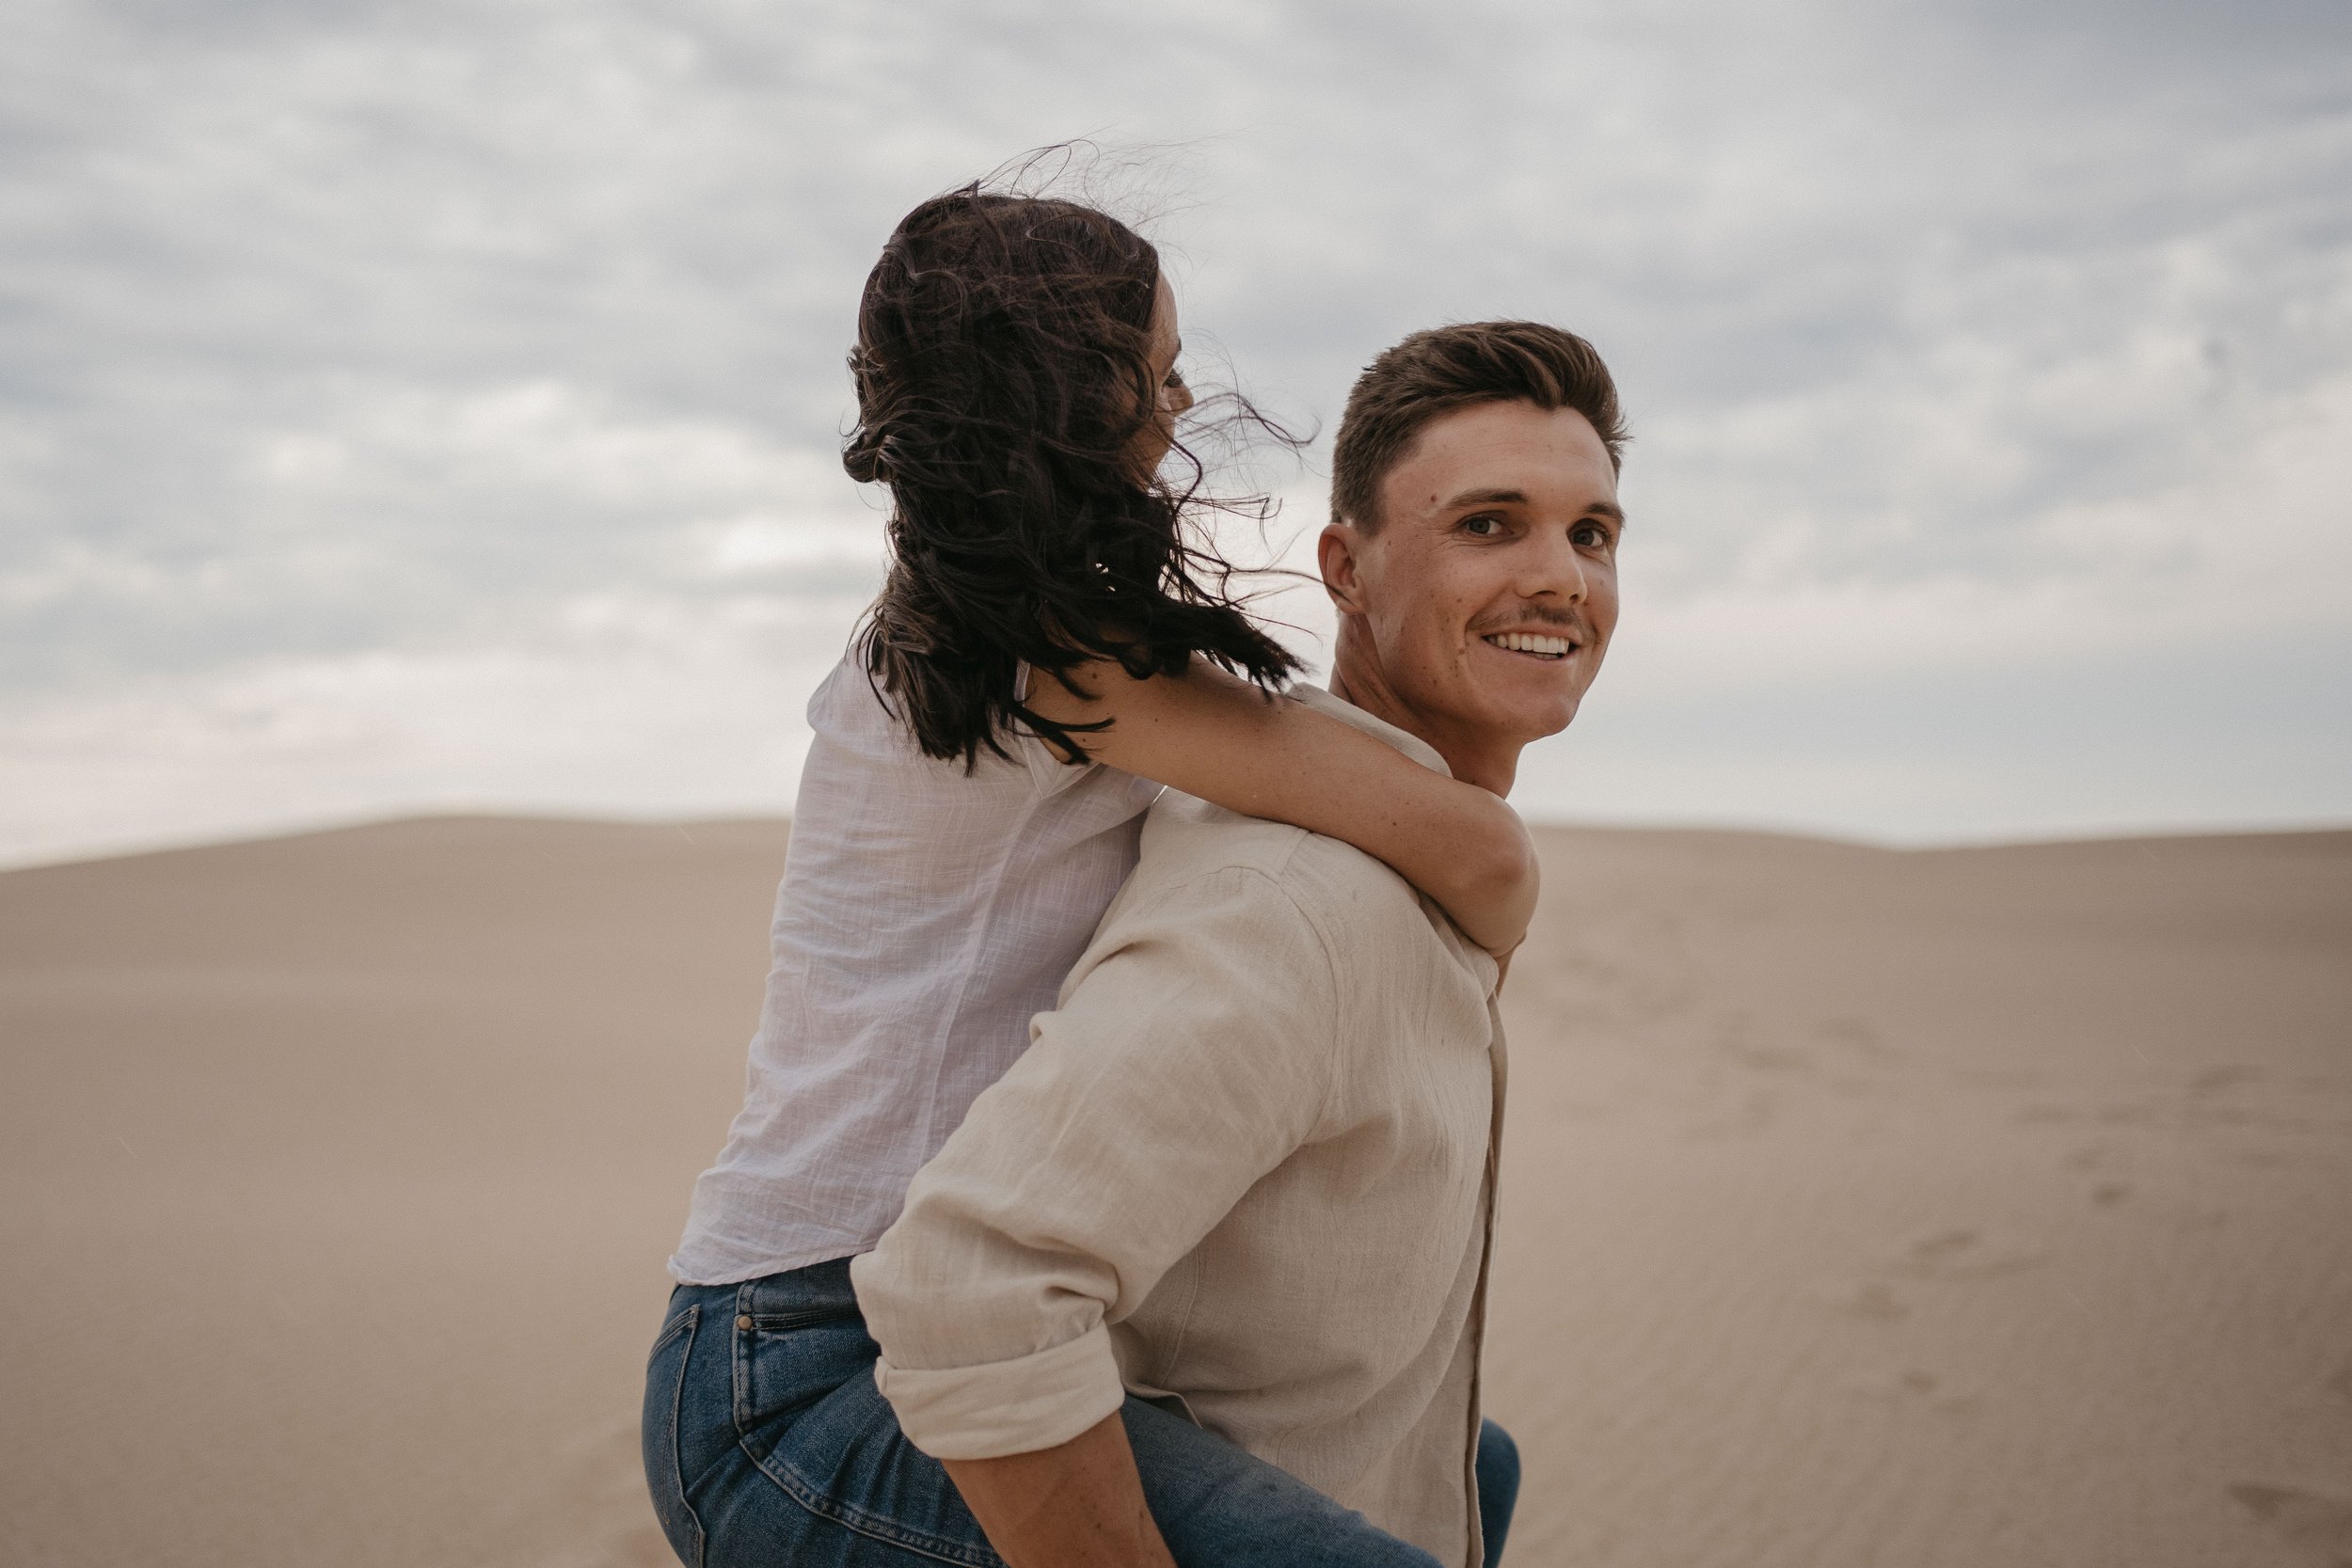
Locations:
1528 642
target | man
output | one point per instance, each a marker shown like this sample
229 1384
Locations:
1245 1174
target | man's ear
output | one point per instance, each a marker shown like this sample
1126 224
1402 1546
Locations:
1336 551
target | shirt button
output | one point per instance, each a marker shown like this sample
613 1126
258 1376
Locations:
743 1322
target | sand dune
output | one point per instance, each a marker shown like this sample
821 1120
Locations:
1863 1208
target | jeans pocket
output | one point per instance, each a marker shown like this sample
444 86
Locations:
665 1393
786 1362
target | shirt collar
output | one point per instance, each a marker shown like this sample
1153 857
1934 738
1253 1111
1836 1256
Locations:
1379 729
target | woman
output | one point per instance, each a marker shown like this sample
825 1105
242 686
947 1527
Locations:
1048 650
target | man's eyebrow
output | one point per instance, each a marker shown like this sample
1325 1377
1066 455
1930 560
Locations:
1610 509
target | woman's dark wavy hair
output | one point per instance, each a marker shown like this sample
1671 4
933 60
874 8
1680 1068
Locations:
1002 379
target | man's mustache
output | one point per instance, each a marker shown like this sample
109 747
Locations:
1570 621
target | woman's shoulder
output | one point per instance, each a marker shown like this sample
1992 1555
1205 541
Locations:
859 742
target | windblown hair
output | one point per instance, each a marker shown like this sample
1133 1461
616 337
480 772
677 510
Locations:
1447 368
1003 378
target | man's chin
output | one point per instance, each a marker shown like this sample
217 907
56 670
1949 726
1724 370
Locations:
1551 721
1539 699
1523 717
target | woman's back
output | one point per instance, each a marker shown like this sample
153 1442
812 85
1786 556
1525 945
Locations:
926 915
1050 600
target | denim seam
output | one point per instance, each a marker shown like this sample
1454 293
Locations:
784 1322
797 1487
812 1497
687 1323
675 1326
740 1361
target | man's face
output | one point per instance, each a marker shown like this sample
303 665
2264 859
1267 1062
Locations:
1488 593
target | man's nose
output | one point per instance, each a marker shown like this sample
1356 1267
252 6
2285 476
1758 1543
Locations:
1552 568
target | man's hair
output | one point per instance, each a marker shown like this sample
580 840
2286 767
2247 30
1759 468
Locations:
1434 373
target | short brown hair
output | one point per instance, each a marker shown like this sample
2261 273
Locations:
1447 368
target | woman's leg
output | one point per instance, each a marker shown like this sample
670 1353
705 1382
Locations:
767 1442
781 1450
1498 1487
1218 1507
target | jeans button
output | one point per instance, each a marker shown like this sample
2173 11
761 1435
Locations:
743 1322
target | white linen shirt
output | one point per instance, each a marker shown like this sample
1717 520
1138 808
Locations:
1249 1161
925 915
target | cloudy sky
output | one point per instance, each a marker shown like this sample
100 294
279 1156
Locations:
435 405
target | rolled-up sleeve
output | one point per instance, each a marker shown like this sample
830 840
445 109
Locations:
1193 1051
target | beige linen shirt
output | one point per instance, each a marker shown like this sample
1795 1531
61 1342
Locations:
1249 1160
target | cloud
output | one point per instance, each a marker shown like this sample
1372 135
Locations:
374 365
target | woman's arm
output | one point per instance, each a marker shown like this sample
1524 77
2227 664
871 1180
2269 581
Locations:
1210 734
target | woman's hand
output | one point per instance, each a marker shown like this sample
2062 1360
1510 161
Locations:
1221 739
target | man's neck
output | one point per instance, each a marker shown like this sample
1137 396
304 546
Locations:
1491 763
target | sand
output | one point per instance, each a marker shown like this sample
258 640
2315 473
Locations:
1861 1208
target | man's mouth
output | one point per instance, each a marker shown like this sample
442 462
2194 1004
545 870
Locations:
1534 644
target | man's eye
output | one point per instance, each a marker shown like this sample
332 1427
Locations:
1592 534
1482 528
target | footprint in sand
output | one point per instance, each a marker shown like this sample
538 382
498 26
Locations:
1856 1037
1872 1300
1913 1387
1967 1254
2313 1523
1757 1113
1767 1058
2220 1080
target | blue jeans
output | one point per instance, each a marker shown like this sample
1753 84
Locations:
766 1444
